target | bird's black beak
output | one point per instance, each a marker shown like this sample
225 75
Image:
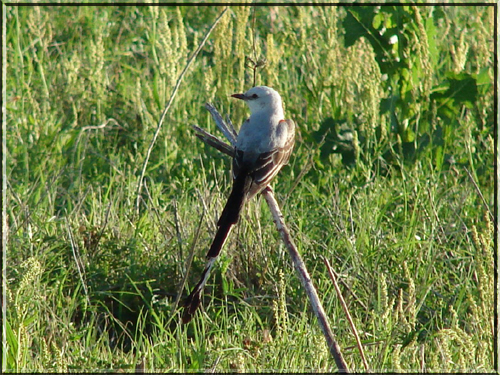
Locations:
239 96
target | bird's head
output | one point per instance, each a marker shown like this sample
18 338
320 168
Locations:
261 98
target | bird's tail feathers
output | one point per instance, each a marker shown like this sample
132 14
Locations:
194 299
219 240
227 220
231 212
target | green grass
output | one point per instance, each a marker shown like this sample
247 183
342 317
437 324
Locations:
378 183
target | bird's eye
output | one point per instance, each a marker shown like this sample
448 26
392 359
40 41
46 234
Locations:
255 96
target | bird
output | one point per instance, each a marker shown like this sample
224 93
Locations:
263 146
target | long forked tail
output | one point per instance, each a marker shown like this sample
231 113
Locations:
227 220
194 299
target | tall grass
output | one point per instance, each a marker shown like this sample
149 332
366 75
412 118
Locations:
391 180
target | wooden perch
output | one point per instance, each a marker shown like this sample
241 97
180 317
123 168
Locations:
298 263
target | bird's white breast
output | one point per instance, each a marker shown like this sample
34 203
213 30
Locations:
261 133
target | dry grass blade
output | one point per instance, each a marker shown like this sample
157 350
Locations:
79 264
188 266
344 306
482 196
169 104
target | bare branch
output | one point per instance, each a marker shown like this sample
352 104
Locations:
305 279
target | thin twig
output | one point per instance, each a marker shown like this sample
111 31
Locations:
102 126
253 44
303 172
79 263
103 227
178 229
161 224
163 115
344 306
296 259
482 197
188 266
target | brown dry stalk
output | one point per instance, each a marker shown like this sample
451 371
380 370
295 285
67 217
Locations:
169 104
346 311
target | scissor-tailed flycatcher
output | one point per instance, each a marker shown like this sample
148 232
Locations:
263 146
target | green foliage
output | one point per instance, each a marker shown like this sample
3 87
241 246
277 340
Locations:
424 100
391 179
